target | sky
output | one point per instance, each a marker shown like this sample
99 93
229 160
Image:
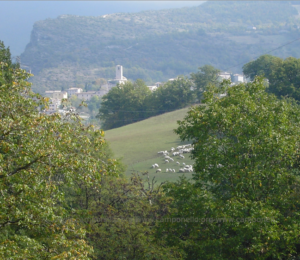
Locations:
17 17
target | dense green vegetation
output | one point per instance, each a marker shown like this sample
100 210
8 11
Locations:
124 104
132 102
206 76
64 197
89 108
243 203
283 75
62 194
157 45
120 217
40 156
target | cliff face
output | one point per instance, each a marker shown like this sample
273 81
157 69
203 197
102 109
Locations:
155 45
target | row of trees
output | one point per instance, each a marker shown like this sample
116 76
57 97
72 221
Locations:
131 102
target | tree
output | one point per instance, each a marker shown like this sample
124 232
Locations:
265 66
5 55
99 82
120 219
74 101
285 81
173 95
123 104
132 102
39 156
5 58
206 76
245 190
93 105
283 75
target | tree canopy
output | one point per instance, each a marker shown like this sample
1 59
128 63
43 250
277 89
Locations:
40 156
244 195
124 104
122 219
133 101
62 196
206 76
283 75
172 95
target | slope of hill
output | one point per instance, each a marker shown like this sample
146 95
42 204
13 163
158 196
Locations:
139 143
157 45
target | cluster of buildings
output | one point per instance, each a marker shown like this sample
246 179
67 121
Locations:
235 78
56 96
156 85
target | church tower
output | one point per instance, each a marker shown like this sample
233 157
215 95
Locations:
119 72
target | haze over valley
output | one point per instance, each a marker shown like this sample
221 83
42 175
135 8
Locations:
157 45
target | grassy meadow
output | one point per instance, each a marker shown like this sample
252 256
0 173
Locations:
139 143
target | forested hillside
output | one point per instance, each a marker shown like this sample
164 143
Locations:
157 45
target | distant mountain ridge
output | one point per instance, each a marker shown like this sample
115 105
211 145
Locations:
154 45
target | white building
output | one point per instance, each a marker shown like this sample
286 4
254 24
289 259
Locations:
50 93
152 88
56 94
119 75
72 91
224 75
119 72
85 95
60 95
89 94
53 106
237 78
158 84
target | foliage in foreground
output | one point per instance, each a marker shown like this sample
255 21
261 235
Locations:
121 217
59 194
244 201
39 156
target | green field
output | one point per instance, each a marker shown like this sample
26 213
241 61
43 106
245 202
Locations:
139 143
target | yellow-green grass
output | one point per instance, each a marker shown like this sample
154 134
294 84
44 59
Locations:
139 143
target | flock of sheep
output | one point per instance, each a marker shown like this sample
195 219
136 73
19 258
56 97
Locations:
179 151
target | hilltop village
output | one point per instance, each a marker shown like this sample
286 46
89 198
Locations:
56 96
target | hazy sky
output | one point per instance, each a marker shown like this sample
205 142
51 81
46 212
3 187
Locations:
18 17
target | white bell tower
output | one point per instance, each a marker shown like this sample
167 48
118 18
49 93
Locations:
119 72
